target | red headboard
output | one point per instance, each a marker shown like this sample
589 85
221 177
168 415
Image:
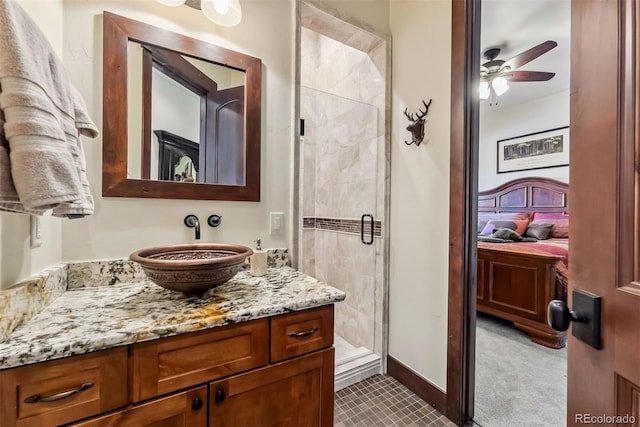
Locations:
526 195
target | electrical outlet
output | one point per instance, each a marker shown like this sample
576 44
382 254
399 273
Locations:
36 233
276 223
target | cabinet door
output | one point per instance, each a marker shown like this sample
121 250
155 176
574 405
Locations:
298 392
186 409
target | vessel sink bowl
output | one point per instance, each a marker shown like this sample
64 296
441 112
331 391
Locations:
192 268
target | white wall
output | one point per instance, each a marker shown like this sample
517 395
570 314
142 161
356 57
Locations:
18 260
421 61
121 225
542 114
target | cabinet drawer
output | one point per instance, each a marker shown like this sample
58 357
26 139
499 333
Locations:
301 332
171 364
43 394
186 409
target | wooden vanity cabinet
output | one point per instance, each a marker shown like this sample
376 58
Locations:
264 372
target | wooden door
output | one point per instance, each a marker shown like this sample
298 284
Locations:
298 392
186 409
605 192
224 152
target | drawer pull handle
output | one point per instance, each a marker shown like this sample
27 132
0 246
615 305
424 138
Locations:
37 398
303 333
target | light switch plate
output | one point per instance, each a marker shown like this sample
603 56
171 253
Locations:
276 223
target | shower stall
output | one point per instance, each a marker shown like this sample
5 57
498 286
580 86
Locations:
342 171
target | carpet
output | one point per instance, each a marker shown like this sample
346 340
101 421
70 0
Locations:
518 382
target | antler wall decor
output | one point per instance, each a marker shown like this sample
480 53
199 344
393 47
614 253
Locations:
417 124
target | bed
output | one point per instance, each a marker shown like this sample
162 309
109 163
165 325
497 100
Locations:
516 281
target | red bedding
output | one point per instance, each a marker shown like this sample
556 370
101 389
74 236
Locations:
554 247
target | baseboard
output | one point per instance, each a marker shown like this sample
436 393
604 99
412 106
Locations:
414 382
356 370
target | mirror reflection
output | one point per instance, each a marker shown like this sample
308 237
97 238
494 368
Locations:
193 118
208 111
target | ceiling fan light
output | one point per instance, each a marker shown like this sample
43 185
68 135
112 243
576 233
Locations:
221 6
500 85
484 90
173 3
227 13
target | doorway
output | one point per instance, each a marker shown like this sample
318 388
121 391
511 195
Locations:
604 188
525 46
341 167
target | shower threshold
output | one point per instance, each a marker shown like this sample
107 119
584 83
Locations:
353 364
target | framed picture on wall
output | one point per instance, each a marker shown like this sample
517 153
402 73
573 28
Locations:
546 149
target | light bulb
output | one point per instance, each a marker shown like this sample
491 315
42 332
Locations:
500 85
484 90
172 3
221 6
227 13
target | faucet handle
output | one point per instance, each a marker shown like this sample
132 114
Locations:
214 220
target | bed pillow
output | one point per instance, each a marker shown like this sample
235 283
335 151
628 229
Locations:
560 223
547 215
484 218
506 234
539 231
517 225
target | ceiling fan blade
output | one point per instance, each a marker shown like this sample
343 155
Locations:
529 76
529 55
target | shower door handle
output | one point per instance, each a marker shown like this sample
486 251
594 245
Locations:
366 242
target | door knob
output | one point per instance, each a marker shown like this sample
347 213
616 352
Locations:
559 316
585 315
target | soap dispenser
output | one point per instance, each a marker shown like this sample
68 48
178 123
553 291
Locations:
258 261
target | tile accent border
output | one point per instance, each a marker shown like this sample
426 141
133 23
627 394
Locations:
414 382
351 226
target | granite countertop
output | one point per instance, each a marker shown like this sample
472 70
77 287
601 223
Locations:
91 318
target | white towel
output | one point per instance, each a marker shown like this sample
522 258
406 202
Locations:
44 116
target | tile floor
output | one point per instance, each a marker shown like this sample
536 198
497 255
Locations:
382 401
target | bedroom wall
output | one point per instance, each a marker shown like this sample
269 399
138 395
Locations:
418 283
18 260
495 124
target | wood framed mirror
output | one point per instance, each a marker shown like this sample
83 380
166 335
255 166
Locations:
211 111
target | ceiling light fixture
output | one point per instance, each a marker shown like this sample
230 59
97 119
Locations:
227 13
172 3
500 85
493 88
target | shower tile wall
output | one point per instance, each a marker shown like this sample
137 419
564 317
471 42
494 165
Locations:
341 168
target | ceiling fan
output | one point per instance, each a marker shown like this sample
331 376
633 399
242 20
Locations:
495 74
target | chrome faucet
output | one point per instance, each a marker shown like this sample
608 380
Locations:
192 221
